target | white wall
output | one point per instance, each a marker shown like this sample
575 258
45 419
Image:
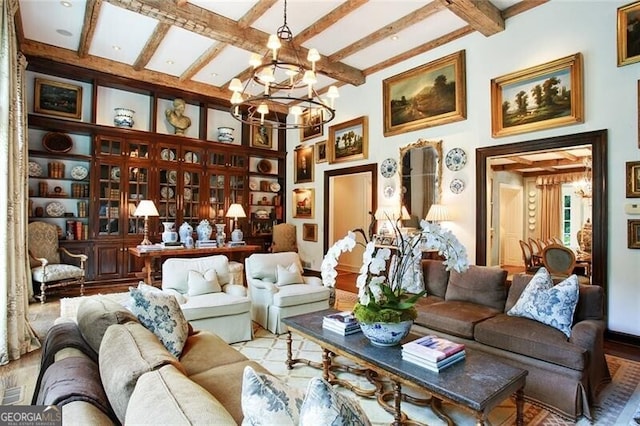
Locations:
551 31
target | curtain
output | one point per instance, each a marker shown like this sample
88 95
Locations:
429 184
16 335
550 205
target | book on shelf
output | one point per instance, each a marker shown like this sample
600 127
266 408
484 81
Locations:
432 348
432 365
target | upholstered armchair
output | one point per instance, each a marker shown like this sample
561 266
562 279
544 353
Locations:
278 289
45 261
284 238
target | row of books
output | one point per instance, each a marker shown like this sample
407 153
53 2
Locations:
433 353
344 323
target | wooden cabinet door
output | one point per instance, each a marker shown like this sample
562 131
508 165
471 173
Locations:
109 260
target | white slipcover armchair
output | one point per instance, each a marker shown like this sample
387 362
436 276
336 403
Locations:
276 293
223 309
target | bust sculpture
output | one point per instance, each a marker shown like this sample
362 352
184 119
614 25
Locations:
176 117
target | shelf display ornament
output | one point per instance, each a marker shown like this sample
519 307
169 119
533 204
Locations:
176 117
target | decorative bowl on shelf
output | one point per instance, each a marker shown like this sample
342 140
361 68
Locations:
264 166
57 142
225 134
123 117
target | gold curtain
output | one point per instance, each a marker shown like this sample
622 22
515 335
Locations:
429 184
550 204
16 335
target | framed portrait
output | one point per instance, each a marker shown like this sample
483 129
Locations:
321 152
629 34
312 124
348 141
425 96
303 164
57 98
537 98
310 232
303 202
633 179
633 234
262 136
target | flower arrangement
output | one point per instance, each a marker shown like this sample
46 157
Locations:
390 279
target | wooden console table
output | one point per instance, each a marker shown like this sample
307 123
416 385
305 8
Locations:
233 253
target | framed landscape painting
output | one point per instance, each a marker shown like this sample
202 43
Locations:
349 141
312 120
426 96
57 98
537 98
303 203
629 34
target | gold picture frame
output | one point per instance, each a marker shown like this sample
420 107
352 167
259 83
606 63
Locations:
348 141
303 164
262 136
303 203
633 179
628 40
321 152
57 98
426 96
310 232
555 89
633 234
314 117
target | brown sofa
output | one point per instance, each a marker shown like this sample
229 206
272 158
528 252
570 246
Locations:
564 374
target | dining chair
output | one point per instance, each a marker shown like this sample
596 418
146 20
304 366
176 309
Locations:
560 261
527 257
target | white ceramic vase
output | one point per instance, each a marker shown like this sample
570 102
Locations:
123 117
169 235
204 230
220 235
186 231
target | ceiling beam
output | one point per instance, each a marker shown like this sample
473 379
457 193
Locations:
328 20
151 46
217 27
536 164
91 13
482 16
521 7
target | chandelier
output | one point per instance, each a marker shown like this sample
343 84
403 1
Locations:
285 86
583 187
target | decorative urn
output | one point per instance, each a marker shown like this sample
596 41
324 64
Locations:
204 230
185 231
169 235
123 117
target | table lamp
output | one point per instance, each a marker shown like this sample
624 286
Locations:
235 211
437 213
146 208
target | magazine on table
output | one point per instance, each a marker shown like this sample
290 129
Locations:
432 348
342 322
434 366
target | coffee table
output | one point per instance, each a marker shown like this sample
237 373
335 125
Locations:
477 384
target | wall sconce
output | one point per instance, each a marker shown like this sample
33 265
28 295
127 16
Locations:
235 211
146 208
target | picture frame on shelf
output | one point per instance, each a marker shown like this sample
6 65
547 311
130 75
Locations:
303 164
348 141
628 34
312 126
321 152
633 179
556 97
262 136
633 234
310 232
57 98
429 95
303 203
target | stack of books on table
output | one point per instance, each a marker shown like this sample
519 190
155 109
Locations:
342 322
206 244
147 248
433 353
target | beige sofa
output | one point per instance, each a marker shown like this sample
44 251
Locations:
143 382
565 374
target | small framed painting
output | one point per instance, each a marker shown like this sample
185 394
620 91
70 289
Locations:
303 203
537 98
57 98
633 234
303 164
311 124
310 232
321 152
349 141
633 179
629 34
262 136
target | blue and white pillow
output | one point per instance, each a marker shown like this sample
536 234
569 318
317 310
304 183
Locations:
160 313
549 304
268 401
323 406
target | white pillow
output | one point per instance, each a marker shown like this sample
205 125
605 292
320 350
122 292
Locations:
324 406
289 275
268 401
203 283
549 304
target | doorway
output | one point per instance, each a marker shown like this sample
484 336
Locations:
511 227
349 196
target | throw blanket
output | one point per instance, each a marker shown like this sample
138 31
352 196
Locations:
74 379
60 336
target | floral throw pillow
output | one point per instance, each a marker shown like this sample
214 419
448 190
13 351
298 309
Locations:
323 406
160 313
549 304
267 401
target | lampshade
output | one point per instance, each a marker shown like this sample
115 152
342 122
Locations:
404 214
386 213
235 211
146 208
438 213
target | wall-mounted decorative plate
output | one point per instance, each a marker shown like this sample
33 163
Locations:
388 167
79 172
532 213
274 187
253 185
55 209
388 191
532 199
532 193
532 227
532 206
456 186
456 159
532 220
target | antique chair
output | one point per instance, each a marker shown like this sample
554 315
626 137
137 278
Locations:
560 261
284 238
45 261
527 257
